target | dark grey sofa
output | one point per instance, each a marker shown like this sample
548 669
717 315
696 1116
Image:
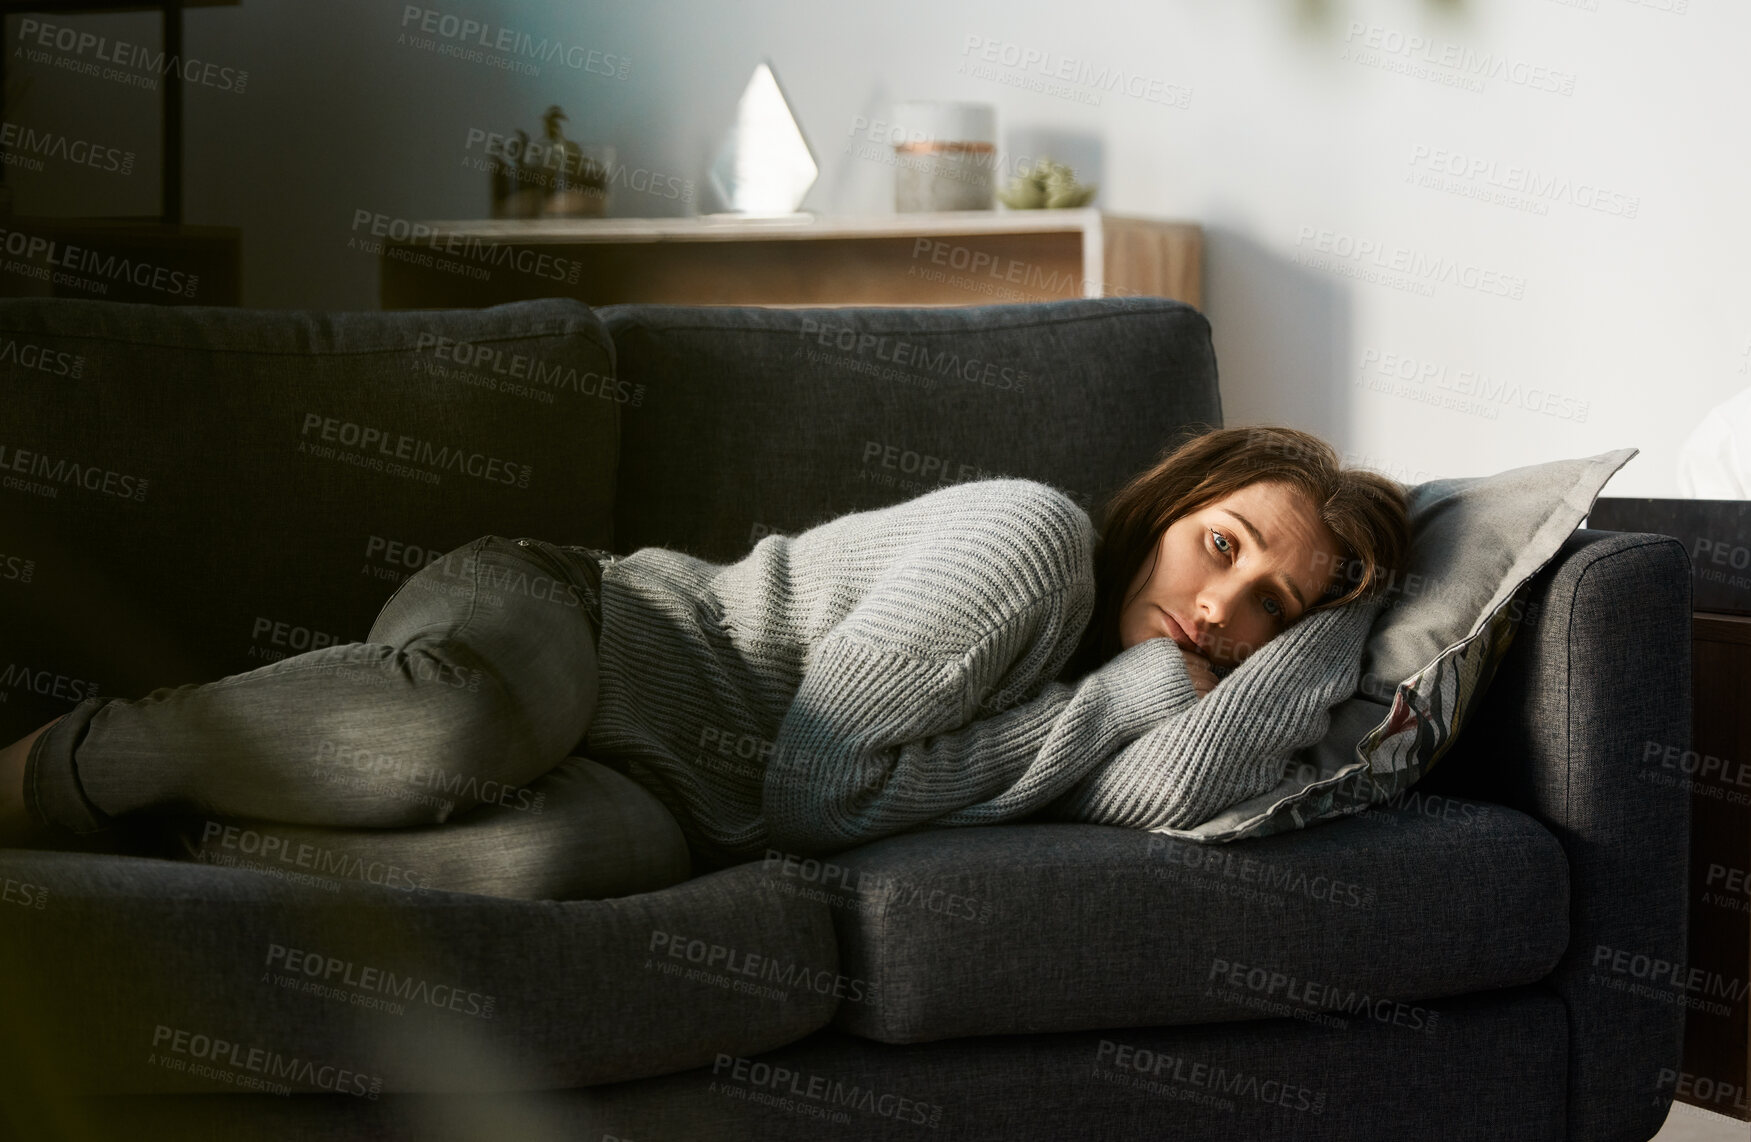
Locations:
1477 962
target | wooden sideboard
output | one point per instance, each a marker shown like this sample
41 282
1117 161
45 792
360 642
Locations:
967 257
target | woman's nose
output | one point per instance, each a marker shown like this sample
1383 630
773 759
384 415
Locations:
1215 603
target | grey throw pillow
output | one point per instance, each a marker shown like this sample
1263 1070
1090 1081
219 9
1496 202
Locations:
1476 543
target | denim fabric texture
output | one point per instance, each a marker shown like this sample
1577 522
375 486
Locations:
479 674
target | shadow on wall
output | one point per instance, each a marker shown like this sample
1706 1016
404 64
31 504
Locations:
1322 15
1283 340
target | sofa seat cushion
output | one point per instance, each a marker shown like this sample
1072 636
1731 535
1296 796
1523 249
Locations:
129 975
1065 927
1498 1070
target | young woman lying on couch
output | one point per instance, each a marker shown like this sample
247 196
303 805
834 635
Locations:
978 654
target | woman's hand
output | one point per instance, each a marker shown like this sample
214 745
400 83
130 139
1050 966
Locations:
1201 671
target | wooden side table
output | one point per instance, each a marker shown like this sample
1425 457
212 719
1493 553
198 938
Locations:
967 257
1717 1060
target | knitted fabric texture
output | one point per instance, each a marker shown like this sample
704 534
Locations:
895 669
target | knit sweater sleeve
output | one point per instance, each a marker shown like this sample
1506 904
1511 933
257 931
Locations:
1233 744
878 741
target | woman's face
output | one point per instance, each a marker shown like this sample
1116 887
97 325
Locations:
1223 580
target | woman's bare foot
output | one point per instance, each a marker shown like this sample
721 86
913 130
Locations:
17 829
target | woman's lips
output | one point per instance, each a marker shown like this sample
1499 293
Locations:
1177 632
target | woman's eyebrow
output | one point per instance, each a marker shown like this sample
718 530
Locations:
1288 583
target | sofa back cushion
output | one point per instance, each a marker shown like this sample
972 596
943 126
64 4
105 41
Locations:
195 492
741 421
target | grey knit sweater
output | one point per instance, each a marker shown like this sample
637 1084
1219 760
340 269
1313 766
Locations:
895 669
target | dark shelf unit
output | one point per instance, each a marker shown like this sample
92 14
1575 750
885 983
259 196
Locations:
220 264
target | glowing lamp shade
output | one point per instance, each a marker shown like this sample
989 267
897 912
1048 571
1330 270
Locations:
765 165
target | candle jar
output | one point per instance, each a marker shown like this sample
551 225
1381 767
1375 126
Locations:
945 156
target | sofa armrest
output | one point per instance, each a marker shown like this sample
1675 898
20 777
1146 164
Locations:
1594 689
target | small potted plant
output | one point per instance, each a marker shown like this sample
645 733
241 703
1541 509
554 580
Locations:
1049 185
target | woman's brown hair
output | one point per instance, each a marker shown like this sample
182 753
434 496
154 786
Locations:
1365 510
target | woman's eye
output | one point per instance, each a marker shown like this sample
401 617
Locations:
1273 607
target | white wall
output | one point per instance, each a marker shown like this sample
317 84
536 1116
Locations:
1287 143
